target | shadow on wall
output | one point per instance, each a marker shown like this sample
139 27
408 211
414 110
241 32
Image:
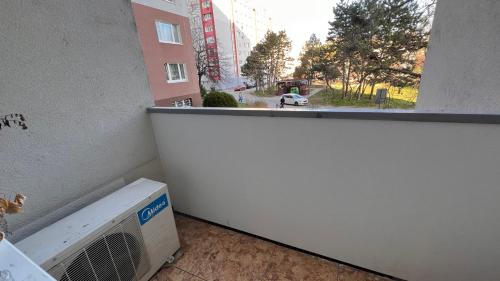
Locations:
75 69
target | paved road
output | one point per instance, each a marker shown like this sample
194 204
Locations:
272 102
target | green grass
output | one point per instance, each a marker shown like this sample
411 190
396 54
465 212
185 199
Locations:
404 99
317 86
269 92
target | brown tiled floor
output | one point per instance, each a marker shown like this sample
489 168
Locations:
217 254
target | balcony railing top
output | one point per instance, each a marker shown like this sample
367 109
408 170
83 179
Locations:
355 114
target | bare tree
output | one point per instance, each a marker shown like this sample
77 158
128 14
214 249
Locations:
213 68
428 8
203 65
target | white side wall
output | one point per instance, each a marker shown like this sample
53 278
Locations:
223 19
419 201
245 25
462 69
75 69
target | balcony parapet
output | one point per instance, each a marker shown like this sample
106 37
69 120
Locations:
355 114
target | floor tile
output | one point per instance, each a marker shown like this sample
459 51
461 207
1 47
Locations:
347 273
195 244
292 265
234 257
212 253
174 274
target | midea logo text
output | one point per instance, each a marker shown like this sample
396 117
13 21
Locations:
150 212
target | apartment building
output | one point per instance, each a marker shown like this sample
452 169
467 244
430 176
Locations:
231 29
165 37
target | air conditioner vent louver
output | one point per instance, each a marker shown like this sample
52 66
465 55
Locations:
117 255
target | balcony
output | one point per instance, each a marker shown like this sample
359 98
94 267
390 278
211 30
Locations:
343 194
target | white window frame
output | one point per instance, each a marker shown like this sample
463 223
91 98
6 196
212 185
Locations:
205 4
183 103
169 75
173 28
209 28
211 40
207 17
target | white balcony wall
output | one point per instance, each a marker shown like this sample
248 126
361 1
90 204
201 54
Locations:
414 200
75 69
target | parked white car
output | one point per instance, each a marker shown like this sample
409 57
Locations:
295 99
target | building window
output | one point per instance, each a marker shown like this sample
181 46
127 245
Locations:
183 103
176 72
168 33
210 40
207 17
205 4
209 28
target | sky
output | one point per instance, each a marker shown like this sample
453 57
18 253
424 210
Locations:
299 18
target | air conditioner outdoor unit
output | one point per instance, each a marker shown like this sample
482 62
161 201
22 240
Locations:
127 235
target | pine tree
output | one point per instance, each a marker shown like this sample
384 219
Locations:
309 58
268 60
378 41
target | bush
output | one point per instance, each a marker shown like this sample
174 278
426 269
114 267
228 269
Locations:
219 99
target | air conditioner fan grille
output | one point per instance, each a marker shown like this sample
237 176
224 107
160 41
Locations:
117 255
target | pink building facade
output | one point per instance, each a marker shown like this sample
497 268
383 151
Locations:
165 36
